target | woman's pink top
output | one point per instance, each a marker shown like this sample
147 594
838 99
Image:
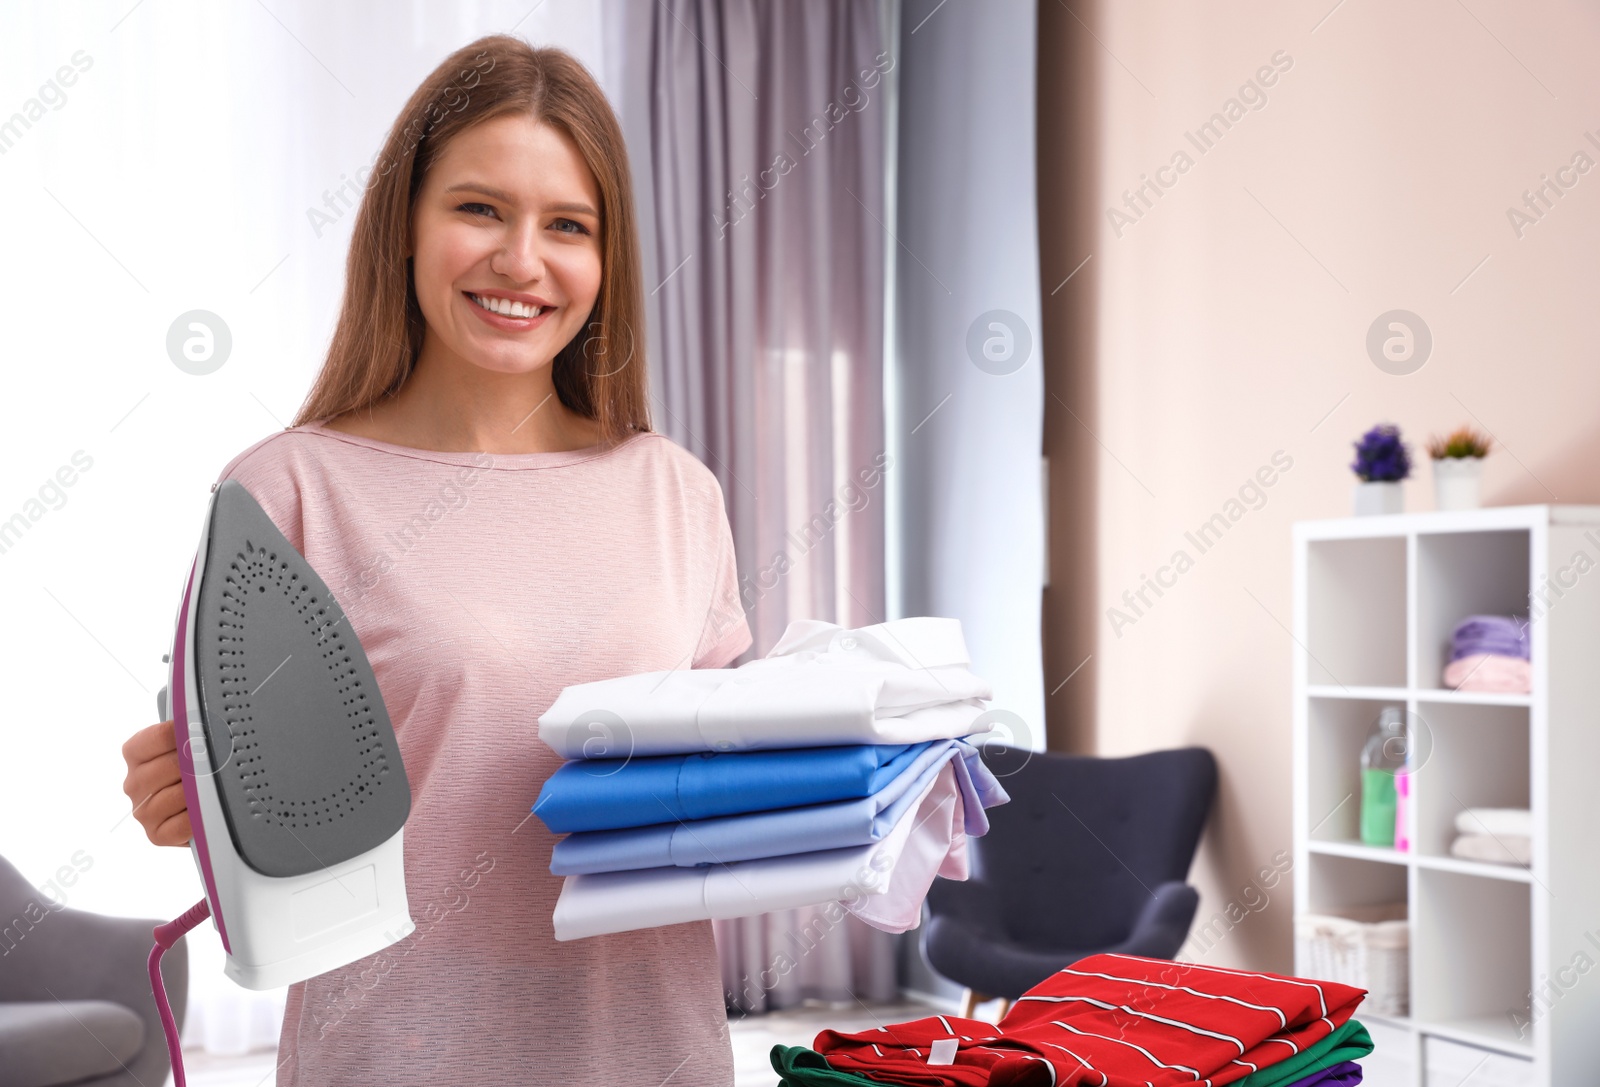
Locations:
480 585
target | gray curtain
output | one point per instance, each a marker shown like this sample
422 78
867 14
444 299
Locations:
763 123
966 409
803 168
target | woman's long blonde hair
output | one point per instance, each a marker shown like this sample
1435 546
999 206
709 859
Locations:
601 373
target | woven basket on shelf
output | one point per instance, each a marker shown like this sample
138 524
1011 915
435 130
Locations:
1365 946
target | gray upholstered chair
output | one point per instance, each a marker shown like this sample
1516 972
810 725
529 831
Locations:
75 1000
1091 855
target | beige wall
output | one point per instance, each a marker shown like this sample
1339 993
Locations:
1228 321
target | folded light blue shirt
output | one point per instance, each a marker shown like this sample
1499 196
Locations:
788 830
608 794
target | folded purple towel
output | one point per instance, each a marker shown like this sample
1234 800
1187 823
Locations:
1502 635
1343 1074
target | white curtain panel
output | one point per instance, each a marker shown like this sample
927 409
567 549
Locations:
158 158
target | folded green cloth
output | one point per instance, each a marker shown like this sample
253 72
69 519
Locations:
798 1066
1350 1042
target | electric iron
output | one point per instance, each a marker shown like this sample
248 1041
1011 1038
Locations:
290 767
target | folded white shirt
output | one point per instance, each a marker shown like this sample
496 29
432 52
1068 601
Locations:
883 883
900 682
1501 821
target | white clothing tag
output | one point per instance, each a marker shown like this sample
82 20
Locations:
944 1051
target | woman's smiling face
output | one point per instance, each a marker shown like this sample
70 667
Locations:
509 210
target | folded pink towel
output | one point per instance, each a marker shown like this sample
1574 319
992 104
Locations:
1489 672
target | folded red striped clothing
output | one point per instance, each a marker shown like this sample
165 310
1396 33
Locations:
1109 1021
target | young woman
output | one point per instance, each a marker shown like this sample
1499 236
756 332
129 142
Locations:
475 477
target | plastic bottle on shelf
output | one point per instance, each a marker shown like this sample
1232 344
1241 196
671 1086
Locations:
1382 758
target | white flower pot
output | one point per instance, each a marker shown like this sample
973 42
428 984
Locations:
1455 482
1378 497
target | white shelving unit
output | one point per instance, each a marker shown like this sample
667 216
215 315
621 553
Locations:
1504 961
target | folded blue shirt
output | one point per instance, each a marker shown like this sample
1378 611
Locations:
787 830
608 794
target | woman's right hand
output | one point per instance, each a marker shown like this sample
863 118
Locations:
155 785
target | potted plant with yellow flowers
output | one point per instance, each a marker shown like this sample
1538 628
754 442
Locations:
1458 467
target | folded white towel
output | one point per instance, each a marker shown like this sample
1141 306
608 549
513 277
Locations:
899 682
1496 849
1497 821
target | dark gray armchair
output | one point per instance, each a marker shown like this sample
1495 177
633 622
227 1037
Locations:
1091 855
75 1000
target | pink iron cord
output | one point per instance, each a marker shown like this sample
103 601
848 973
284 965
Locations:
167 935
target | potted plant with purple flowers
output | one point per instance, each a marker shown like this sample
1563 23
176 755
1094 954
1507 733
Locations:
1381 463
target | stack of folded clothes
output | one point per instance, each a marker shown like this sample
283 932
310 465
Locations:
1496 835
1112 1021
1490 653
835 769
